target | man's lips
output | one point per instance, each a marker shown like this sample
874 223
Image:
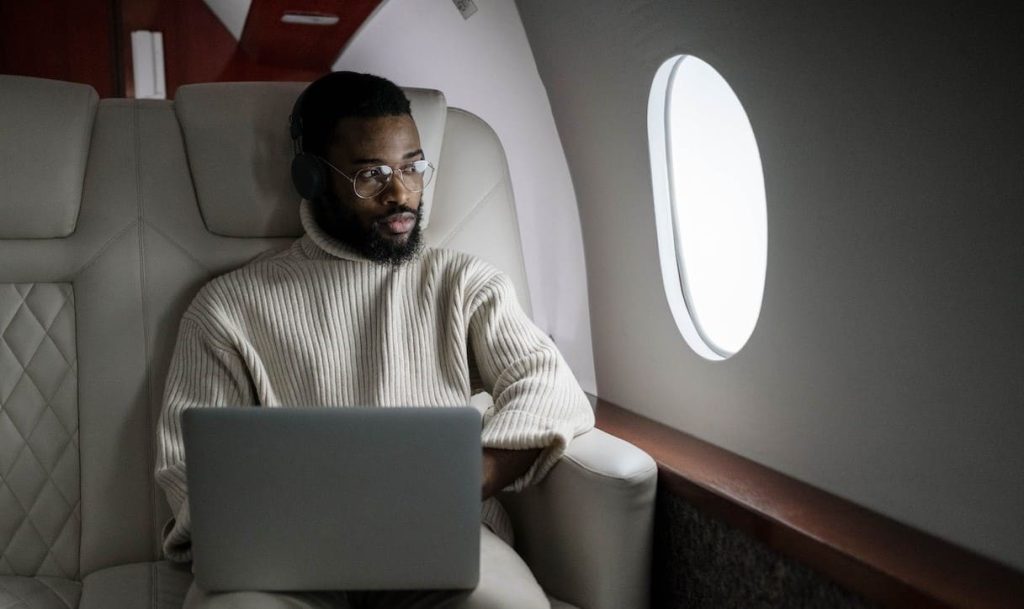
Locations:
397 224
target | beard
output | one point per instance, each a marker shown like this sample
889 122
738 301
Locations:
341 223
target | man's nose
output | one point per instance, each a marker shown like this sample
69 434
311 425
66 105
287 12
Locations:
396 193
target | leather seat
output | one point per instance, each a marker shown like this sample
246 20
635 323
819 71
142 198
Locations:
149 585
113 213
38 592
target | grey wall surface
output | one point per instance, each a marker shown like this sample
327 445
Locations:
888 362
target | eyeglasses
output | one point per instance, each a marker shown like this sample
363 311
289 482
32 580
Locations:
371 181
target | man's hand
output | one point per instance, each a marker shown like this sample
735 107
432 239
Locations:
502 467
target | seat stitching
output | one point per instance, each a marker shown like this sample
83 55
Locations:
21 450
77 440
19 598
54 590
102 249
47 399
47 328
146 339
469 215
24 300
50 477
67 375
40 389
3 550
24 305
43 412
179 246
27 511
71 512
152 585
36 500
49 549
26 520
30 431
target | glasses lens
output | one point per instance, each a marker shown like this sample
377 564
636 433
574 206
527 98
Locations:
371 181
416 176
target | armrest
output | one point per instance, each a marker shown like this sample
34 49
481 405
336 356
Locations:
586 530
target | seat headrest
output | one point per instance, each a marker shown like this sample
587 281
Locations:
240 152
45 131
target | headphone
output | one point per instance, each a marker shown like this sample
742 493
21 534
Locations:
309 174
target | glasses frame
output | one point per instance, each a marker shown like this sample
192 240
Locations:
394 169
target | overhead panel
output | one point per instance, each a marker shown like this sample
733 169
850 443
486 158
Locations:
302 34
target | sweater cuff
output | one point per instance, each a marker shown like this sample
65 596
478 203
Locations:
177 536
517 430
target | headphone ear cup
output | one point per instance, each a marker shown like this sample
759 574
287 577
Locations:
309 176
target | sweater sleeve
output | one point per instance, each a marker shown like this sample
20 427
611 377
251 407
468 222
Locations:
537 401
204 372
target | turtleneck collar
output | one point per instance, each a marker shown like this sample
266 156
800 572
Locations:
317 242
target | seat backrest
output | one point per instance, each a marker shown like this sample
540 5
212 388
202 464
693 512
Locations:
72 410
95 275
239 154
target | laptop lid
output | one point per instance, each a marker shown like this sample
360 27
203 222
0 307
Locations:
334 498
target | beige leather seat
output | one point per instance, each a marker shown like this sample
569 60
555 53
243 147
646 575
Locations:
112 214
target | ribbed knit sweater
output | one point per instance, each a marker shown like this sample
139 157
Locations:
319 324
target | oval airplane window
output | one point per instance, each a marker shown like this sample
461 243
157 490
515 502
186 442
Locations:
709 206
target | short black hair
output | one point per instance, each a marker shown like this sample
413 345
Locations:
341 95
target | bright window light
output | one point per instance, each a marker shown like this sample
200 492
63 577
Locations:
709 206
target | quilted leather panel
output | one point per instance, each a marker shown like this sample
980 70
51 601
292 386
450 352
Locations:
38 593
40 514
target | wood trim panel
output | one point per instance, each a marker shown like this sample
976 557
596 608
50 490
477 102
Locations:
197 46
267 40
882 560
72 41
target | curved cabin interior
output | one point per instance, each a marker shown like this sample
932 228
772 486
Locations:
779 245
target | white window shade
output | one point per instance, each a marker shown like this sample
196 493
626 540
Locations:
710 206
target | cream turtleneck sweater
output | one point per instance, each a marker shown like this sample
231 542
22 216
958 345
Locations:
320 324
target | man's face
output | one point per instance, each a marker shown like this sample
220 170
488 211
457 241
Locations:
385 227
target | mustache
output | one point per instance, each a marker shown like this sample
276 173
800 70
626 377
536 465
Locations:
397 210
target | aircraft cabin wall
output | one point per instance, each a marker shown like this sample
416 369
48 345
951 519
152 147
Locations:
886 365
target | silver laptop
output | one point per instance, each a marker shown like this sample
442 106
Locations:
334 498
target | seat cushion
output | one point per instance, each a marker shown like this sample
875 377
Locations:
153 585
47 129
38 592
147 585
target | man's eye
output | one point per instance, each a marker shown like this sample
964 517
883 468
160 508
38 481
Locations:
371 173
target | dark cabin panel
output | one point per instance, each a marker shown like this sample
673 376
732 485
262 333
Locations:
61 40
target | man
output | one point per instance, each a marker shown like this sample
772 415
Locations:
359 312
